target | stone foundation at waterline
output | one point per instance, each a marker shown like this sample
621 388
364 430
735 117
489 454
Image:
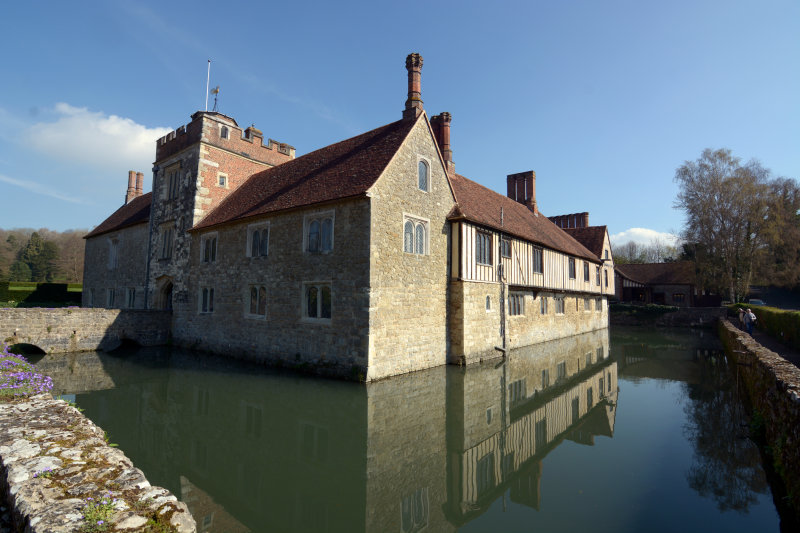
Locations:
773 385
52 459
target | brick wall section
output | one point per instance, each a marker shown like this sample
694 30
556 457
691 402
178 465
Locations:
773 385
79 329
338 346
129 272
408 292
475 331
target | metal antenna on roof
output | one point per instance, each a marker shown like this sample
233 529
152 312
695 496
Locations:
215 92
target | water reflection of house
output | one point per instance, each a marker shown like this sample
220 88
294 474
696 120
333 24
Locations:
420 452
499 440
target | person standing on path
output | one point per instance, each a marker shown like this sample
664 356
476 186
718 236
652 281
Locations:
741 319
749 320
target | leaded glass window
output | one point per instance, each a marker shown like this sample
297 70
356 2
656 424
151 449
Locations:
423 174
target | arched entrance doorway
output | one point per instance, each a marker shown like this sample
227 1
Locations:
164 299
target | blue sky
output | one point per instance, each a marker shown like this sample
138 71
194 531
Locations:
604 100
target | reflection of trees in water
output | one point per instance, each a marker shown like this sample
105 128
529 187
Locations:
726 465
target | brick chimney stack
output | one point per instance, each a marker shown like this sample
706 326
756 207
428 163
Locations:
414 102
139 183
441 129
522 188
131 194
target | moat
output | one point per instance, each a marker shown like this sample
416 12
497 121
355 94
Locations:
625 431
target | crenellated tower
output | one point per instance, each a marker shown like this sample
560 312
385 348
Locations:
197 166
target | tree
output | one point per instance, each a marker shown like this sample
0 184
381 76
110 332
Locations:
726 206
41 257
780 264
656 252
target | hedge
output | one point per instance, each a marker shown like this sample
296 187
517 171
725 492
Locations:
781 324
34 293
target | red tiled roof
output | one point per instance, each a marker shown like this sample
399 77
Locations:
592 238
677 273
481 205
137 211
342 170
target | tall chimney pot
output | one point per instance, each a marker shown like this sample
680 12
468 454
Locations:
139 183
441 130
131 193
414 102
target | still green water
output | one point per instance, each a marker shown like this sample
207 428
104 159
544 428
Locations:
637 431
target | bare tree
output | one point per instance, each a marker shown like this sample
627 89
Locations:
726 206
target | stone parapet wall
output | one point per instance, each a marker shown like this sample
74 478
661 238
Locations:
53 459
75 329
773 385
688 317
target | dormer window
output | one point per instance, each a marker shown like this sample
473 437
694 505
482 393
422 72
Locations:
423 174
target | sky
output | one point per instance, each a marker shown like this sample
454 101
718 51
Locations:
603 100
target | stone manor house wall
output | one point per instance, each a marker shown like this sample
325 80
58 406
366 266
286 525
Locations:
367 258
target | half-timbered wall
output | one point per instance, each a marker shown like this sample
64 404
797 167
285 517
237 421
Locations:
519 268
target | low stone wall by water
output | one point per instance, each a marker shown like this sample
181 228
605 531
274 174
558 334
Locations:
52 459
76 329
773 385
685 317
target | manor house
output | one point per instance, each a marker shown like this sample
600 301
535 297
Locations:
367 258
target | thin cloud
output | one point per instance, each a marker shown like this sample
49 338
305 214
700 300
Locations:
643 236
95 139
38 188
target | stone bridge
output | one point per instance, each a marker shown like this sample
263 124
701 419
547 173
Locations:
76 329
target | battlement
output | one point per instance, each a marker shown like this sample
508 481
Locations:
223 132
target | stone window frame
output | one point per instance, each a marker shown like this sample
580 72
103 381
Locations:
209 255
516 304
222 180
248 301
572 272
111 298
320 285
560 305
171 181
598 305
597 276
679 297
427 162
587 305
251 231
130 299
224 132
320 217
113 251
167 238
543 305
488 304
586 271
417 222
205 301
